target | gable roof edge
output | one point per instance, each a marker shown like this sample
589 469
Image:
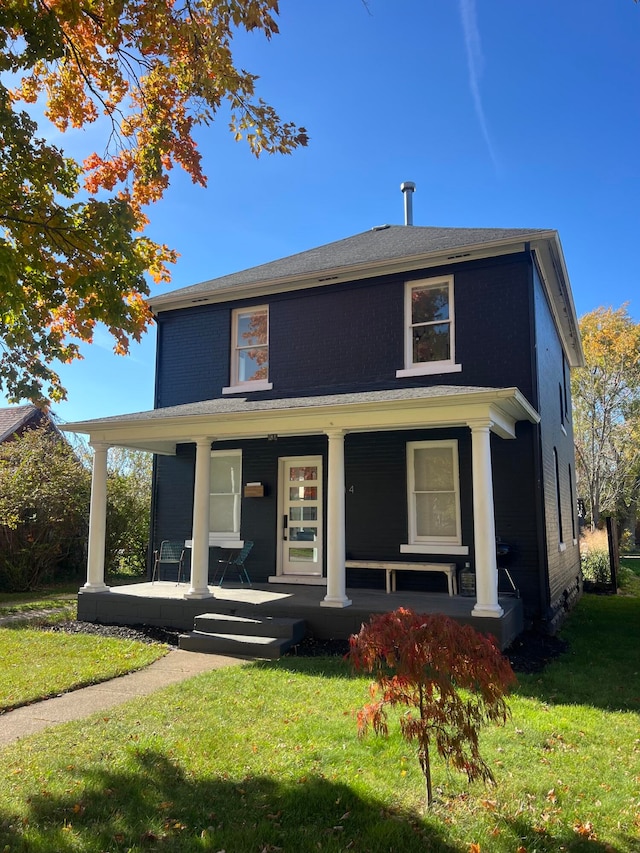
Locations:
555 280
23 414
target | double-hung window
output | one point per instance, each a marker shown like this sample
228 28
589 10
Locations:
249 350
433 487
429 336
225 497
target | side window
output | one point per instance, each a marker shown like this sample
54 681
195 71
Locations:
558 500
573 506
429 335
225 498
561 405
433 496
249 350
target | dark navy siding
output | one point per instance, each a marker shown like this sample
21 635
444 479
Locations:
376 505
350 337
516 514
193 355
563 566
493 340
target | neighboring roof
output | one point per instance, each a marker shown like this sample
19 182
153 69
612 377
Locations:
159 430
15 418
394 249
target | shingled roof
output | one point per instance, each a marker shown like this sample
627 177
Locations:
16 418
377 246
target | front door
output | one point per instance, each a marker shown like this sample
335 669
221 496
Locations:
300 517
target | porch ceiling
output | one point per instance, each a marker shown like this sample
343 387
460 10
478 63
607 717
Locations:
161 430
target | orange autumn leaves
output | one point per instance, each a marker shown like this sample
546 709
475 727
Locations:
151 72
156 69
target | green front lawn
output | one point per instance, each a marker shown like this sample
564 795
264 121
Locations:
35 664
265 757
10 602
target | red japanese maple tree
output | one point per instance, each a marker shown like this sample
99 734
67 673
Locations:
451 679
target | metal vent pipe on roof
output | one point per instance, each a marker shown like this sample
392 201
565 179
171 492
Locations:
408 188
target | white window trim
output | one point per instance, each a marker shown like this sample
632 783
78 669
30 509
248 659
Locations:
433 544
453 550
258 385
429 368
236 386
218 536
426 368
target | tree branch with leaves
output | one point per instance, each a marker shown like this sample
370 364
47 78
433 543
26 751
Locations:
72 252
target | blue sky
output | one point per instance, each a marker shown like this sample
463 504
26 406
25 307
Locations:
505 113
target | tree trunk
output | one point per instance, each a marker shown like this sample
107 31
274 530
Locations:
423 755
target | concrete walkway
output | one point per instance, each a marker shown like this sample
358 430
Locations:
176 666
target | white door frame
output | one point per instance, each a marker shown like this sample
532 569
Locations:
282 576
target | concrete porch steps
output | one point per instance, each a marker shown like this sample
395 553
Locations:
218 633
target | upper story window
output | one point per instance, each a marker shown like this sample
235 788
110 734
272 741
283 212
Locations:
429 335
249 350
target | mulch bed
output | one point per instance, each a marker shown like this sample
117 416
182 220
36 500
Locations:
141 633
529 653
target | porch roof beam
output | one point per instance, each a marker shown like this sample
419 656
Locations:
160 431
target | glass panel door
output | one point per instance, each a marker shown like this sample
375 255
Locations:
301 517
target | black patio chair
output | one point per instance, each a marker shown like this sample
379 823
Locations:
170 553
235 561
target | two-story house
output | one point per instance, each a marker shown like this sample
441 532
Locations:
400 396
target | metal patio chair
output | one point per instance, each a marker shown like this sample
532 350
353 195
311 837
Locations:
170 553
236 562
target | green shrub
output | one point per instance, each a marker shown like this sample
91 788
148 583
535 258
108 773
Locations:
595 566
44 509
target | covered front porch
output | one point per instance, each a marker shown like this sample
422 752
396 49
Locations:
164 604
328 606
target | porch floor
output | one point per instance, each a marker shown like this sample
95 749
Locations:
163 603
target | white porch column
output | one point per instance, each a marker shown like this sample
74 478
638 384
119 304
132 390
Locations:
484 525
199 587
336 572
97 519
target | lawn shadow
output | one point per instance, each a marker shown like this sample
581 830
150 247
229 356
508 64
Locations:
154 804
157 805
579 839
561 688
600 666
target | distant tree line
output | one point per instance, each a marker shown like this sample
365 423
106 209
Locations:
606 419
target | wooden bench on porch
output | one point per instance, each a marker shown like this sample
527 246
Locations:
391 567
